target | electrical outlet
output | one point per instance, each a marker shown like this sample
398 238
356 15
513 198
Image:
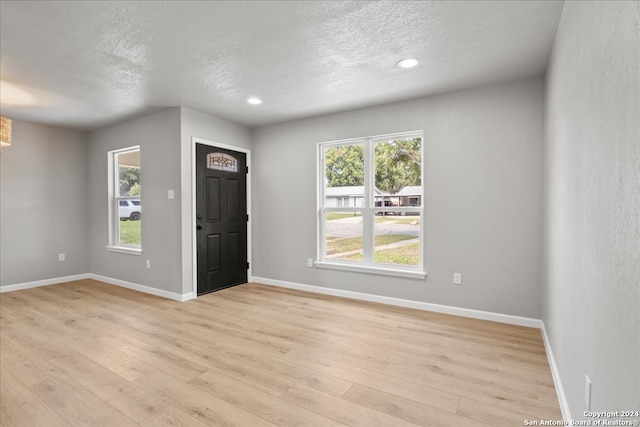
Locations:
61 257
309 262
148 263
457 278
587 392
171 194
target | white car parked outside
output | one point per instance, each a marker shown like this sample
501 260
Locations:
129 209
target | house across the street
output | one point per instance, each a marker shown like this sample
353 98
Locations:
353 197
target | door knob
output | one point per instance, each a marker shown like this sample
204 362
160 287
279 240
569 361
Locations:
198 227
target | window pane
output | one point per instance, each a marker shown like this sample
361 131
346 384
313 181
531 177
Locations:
343 235
344 176
397 238
398 165
128 164
127 209
130 215
222 161
130 232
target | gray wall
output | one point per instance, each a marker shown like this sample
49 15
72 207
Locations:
158 135
483 187
591 295
199 125
43 210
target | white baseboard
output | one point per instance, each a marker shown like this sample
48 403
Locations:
446 309
46 282
141 288
129 285
562 398
187 297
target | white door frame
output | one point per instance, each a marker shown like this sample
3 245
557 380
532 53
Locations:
194 242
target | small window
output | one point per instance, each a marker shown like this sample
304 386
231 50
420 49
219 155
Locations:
222 161
125 212
381 230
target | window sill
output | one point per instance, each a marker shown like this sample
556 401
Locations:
387 271
125 250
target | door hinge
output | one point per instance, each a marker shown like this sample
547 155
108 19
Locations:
247 266
247 171
247 218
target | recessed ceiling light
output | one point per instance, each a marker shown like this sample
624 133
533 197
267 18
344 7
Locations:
407 63
254 101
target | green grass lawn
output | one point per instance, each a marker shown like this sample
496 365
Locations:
404 255
355 243
130 232
340 215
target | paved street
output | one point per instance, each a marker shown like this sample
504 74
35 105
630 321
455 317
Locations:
352 227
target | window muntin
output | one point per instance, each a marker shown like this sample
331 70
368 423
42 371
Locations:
125 214
381 227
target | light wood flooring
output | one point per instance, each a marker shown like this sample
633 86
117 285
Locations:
87 353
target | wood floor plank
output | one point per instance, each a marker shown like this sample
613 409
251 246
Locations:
204 406
77 405
547 394
21 407
266 406
526 363
262 379
408 410
115 360
10 345
173 417
89 353
36 337
157 357
487 392
453 377
484 412
340 410
123 395
454 358
23 365
286 373
420 393
526 373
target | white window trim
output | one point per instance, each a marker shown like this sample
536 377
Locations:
387 271
124 250
367 212
114 216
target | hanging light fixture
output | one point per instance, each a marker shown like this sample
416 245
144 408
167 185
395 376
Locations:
5 132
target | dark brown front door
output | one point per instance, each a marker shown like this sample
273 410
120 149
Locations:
221 218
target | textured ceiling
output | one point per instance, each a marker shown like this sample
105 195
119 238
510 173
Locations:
88 64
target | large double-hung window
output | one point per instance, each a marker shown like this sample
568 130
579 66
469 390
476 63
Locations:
370 204
125 207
